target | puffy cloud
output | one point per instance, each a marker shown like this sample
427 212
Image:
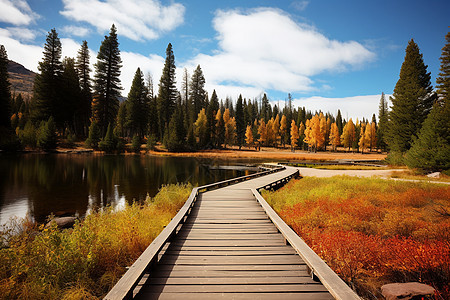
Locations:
351 107
16 12
135 19
152 64
267 50
22 34
75 30
25 54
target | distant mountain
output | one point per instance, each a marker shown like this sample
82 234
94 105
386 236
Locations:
21 79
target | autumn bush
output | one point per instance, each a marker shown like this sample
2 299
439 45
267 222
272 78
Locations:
372 231
86 261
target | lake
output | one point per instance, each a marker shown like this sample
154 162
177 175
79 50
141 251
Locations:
74 184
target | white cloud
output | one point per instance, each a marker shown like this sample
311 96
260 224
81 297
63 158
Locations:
131 61
16 12
25 54
351 107
266 50
76 30
22 34
135 19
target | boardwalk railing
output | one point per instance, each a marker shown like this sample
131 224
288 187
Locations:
125 286
317 267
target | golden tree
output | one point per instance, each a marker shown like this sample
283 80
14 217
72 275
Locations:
270 133
276 130
230 128
363 137
283 129
249 136
200 128
348 134
294 135
262 131
335 139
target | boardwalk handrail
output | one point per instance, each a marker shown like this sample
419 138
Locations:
335 285
124 288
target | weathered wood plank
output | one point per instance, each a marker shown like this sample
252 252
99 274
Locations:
274 267
237 296
228 243
230 280
232 260
230 273
236 288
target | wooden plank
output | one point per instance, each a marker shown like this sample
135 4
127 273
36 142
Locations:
232 260
231 248
228 243
230 280
237 296
230 236
230 253
228 230
236 288
274 267
231 273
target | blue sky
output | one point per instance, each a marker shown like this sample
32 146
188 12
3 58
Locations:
328 54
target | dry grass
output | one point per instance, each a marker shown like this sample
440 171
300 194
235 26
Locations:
86 261
273 154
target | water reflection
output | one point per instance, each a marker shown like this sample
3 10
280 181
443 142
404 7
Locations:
41 184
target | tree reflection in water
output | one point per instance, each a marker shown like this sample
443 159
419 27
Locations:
66 184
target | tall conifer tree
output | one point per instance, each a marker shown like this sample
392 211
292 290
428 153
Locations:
46 93
107 84
197 93
240 123
83 112
5 95
412 100
431 150
382 122
137 106
167 94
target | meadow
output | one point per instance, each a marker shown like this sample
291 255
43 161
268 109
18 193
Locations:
84 262
372 231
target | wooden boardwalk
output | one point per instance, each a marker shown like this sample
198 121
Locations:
229 248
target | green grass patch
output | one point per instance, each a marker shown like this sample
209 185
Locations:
84 262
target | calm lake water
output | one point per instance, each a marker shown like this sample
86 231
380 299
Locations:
69 184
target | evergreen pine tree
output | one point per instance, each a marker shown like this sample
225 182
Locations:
339 124
137 106
211 112
197 92
7 136
108 143
71 92
46 93
382 123
176 136
431 150
5 95
412 100
107 82
240 124
47 138
94 136
167 94
83 110
443 81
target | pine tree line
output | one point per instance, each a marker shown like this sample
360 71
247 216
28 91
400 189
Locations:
69 103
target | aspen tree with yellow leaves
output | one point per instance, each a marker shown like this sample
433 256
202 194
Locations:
283 130
335 139
294 135
249 136
348 134
230 128
200 128
262 131
276 130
